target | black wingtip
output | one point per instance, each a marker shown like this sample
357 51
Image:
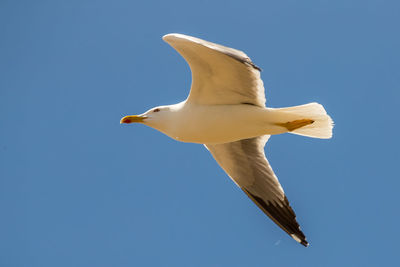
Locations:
301 239
283 216
304 243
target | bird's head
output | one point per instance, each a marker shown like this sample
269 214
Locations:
157 117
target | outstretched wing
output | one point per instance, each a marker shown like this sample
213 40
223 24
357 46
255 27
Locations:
220 75
245 162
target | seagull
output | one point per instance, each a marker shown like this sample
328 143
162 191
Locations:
226 112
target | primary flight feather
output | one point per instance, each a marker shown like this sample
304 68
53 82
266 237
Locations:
226 111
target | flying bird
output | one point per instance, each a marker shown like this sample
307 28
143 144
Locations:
226 111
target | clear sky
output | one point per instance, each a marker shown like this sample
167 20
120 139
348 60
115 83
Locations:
79 189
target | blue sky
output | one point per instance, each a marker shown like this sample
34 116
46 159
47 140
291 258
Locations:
79 189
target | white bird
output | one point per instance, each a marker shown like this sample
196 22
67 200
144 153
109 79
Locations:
226 112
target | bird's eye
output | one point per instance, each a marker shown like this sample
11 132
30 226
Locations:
156 110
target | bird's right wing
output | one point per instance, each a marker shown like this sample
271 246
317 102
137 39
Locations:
245 163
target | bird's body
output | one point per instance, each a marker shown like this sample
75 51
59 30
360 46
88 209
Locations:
201 124
226 112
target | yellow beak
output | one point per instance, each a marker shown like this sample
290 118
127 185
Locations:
133 118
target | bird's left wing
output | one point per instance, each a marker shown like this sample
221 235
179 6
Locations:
245 163
220 75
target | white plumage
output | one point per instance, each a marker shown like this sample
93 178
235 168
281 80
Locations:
226 112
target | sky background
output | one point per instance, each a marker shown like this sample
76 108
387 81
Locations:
79 189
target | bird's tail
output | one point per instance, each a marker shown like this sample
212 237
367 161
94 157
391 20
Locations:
309 120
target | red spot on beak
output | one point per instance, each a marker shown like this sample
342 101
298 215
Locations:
126 120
